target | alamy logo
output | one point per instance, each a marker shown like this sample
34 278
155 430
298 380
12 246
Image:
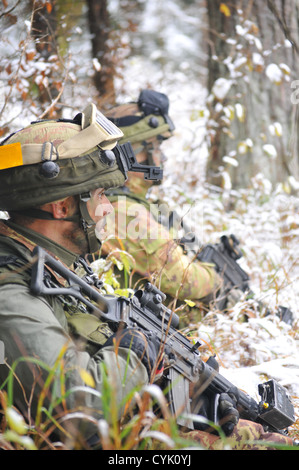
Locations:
157 221
1 352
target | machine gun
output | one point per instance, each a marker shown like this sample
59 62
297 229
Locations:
224 256
145 310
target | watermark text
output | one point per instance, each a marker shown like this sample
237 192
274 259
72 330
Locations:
157 221
295 94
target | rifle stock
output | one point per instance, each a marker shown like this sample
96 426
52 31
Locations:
145 310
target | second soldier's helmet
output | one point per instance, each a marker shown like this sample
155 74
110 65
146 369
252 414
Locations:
144 119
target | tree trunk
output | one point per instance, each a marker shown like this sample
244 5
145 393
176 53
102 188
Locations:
253 50
44 32
99 26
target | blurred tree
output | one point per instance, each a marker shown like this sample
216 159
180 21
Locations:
252 64
102 50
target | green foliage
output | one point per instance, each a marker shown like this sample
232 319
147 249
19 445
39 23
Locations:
138 428
105 269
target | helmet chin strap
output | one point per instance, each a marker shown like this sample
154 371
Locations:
88 224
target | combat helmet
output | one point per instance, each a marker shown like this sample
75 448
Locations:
50 160
144 119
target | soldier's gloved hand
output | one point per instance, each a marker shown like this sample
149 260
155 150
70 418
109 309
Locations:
228 413
146 347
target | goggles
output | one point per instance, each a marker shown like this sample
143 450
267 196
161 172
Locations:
96 131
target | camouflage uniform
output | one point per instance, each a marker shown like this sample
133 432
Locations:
46 328
41 328
159 259
246 436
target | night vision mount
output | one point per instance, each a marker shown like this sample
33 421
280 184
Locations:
126 160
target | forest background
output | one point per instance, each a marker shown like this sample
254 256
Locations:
230 70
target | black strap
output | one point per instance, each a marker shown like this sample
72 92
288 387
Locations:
44 215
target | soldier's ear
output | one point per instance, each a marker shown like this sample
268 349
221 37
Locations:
61 209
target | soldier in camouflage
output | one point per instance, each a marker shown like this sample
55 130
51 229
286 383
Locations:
135 226
146 124
245 436
52 181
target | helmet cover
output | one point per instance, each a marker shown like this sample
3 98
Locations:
24 186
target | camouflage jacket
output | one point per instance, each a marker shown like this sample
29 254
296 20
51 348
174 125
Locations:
134 227
44 328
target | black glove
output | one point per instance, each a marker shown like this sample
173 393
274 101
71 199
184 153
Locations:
145 346
228 413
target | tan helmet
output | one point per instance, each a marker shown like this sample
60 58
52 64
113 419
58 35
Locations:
51 160
144 119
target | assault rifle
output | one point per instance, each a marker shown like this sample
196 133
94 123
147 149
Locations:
145 310
225 255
